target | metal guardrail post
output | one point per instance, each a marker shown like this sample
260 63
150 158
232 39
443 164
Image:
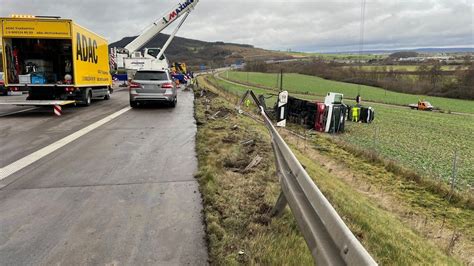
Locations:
281 202
279 207
328 238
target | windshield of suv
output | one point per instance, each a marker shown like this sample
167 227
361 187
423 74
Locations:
151 75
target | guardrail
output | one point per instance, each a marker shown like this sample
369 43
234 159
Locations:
327 236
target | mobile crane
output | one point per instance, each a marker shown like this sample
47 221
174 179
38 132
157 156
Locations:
154 58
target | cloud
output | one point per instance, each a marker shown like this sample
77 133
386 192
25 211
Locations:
297 25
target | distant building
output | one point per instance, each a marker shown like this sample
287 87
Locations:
412 59
350 61
426 58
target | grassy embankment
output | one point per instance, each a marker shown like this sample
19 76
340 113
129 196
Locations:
236 203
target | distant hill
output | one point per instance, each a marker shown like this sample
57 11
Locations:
213 54
404 54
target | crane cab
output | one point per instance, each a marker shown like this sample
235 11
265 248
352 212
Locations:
146 60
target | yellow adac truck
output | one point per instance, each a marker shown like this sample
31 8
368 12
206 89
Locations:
54 59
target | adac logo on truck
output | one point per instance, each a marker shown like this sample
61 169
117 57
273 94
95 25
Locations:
178 10
86 49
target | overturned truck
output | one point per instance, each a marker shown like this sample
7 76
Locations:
328 116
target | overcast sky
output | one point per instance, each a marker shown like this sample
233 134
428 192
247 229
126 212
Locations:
280 25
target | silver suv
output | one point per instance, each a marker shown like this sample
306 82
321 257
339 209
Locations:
152 86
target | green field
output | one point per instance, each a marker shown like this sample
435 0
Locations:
298 83
421 141
399 68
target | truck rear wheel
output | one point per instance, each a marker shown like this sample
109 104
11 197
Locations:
87 98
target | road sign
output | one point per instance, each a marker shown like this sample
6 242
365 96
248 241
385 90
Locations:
282 101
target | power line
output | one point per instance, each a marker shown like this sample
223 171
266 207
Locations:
361 40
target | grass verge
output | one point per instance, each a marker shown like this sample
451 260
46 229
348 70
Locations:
237 202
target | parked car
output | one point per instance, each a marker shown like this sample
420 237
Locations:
3 89
152 86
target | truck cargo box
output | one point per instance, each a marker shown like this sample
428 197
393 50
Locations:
310 119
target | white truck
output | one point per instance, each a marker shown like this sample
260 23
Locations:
153 58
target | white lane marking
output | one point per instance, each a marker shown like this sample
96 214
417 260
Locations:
18 112
35 156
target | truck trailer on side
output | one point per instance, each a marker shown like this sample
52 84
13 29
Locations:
55 59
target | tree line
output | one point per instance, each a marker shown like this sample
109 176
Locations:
428 79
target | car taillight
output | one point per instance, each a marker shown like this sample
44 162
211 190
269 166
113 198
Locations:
69 89
14 88
134 85
167 85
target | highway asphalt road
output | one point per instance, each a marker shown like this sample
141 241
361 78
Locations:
122 194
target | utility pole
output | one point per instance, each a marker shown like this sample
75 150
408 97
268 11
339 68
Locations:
277 80
281 79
